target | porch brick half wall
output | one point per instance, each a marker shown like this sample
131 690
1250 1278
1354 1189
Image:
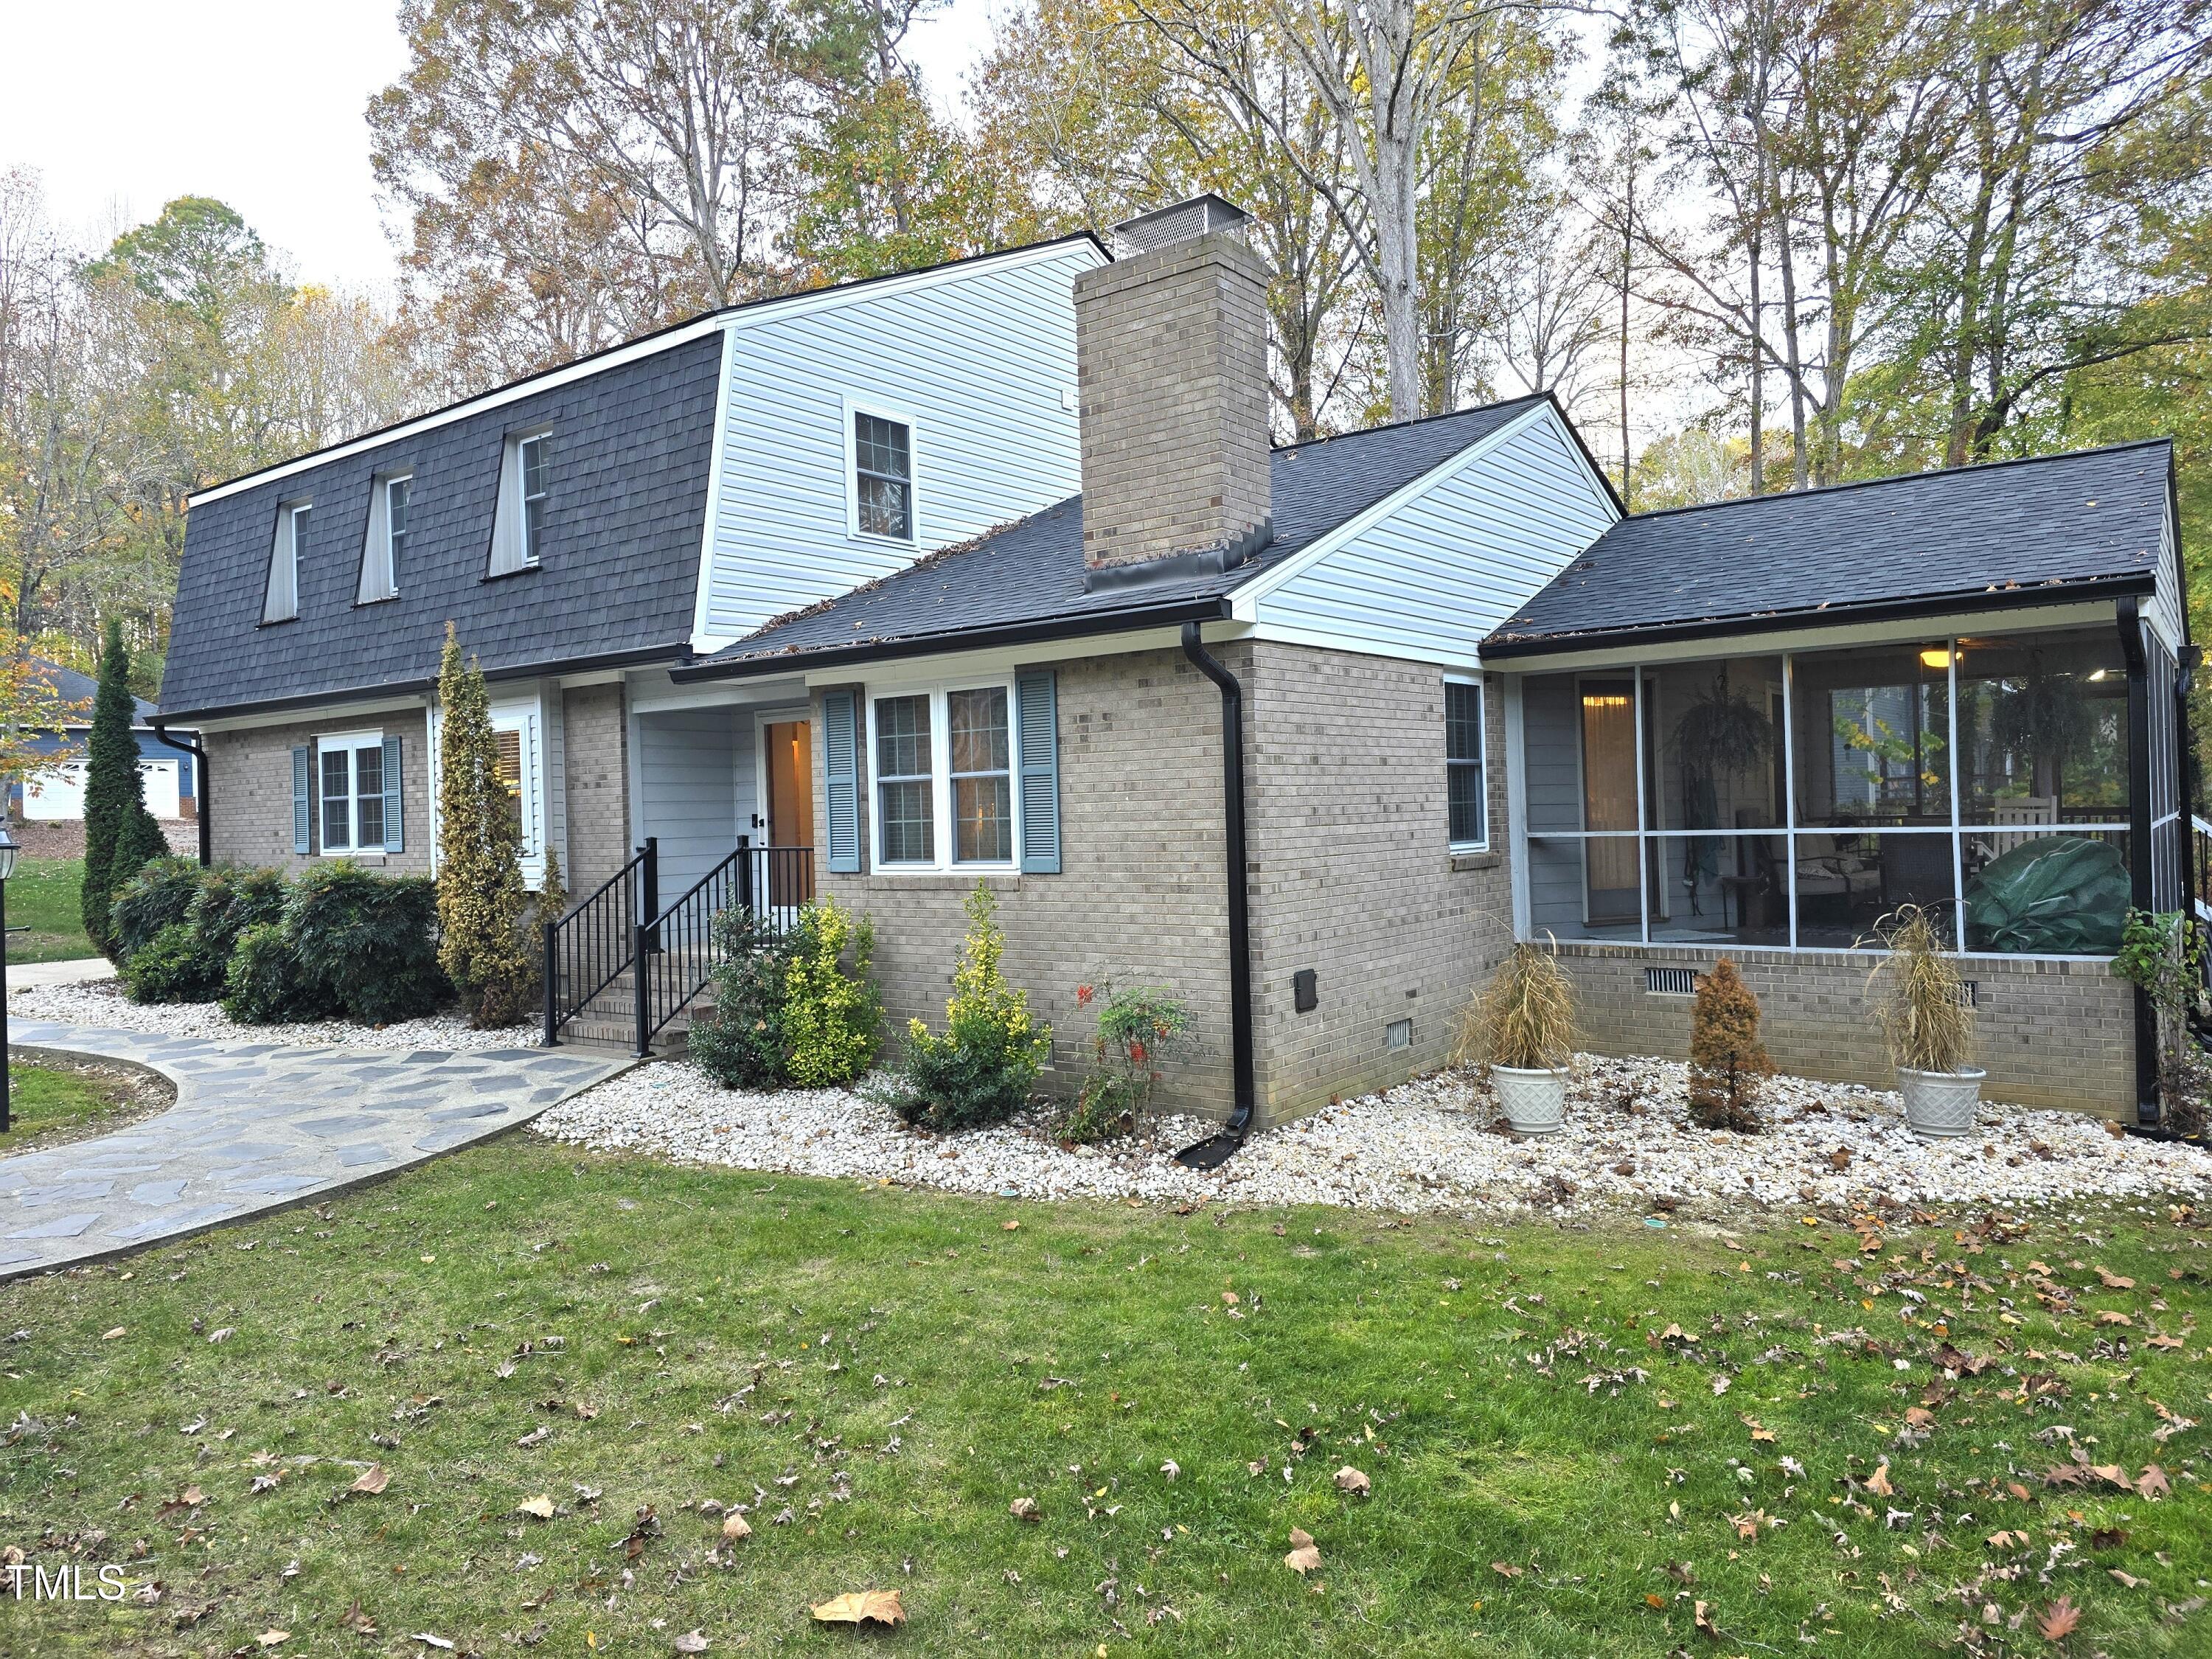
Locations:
595 753
2055 1034
250 792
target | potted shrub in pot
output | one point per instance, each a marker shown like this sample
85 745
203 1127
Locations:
1920 1003
1521 1027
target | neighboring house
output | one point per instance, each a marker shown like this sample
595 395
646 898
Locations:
989 572
55 793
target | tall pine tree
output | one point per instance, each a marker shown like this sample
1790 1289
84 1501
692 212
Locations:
120 834
481 899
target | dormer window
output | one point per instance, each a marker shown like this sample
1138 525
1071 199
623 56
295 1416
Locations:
525 486
280 600
384 550
883 476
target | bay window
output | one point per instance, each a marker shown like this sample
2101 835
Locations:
944 778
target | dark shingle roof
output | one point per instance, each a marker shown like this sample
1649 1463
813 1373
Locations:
74 687
1030 573
630 448
1932 539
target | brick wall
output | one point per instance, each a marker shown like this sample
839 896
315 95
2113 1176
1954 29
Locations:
1141 898
2051 1033
250 792
595 749
1171 362
1353 874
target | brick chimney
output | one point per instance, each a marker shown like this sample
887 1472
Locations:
1172 343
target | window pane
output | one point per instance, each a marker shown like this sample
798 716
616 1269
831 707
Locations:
2043 719
909 830
885 508
1713 749
1464 791
1462 721
533 468
338 800
978 729
2046 892
300 517
1722 890
1871 743
882 447
902 737
507 750
398 497
983 820
1608 734
1847 882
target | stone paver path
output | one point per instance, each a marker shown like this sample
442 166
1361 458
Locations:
256 1127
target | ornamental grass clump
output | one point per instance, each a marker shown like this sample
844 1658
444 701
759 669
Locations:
1728 1062
1524 1018
1919 997
981 1067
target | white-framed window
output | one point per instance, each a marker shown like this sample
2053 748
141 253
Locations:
514 746
1467 792
384 550
281 598
517 532
351 784
942 761
879 472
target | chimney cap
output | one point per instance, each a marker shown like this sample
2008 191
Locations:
1179 222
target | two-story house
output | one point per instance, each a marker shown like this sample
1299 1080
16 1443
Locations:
990 572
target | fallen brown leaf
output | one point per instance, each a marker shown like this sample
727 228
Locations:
1878 1482
692 1641
1506 1569
2113 1281
2152 1484
735 1526
1702 1615
1351 1480
541 1506
2059 1619
373 1480
861 1608
1025 1508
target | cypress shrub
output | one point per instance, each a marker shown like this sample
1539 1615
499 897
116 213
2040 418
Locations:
1728 1060
481 898
368 941
120 834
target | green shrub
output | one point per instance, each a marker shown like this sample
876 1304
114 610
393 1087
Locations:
1138 1030
741 1044
265 983
154 898
982 1067
172 967
229 901
831 1015
369 941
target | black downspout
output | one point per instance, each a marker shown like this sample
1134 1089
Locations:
2142 891
1240 934
201 796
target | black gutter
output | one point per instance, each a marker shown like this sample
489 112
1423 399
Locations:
636 659
1502 644
1035 631
201 795
1240 935
2142 889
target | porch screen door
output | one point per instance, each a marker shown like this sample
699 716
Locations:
1609 798
790 810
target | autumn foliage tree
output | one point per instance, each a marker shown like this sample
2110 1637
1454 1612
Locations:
1728 1062
481 899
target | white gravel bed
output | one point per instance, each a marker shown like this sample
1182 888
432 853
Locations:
102 1003
1426 1145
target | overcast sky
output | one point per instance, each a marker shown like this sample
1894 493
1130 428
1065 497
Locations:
122 105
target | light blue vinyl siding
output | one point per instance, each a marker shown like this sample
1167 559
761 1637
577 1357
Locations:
979 360
1433 578
695 770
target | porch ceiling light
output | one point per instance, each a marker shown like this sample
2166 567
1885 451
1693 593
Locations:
1936 657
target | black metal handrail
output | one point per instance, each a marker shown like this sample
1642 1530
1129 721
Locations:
589 948
676 952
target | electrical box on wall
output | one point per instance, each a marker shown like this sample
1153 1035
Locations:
1305 991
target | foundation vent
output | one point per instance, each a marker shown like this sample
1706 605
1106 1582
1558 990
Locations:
1400 1033
1670 981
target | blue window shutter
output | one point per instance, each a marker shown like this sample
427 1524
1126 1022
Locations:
1036 723
303 773
394 840
840 757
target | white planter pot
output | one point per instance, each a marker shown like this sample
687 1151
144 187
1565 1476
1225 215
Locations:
1534 1102
1939 1104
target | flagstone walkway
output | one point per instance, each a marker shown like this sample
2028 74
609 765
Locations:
256 1127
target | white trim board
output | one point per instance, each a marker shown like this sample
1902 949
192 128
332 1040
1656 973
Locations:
746 316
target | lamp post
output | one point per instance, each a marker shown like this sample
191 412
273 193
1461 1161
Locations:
8 848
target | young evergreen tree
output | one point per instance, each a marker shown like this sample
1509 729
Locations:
120 834
1728 1060
481 900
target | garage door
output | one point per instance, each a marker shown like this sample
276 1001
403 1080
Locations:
58 793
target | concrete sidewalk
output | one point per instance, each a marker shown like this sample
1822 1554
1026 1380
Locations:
78 970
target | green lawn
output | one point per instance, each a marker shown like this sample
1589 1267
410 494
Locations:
42 895
48 1104
879 1373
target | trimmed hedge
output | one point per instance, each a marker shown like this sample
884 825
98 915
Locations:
371 942
265 983
155 897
